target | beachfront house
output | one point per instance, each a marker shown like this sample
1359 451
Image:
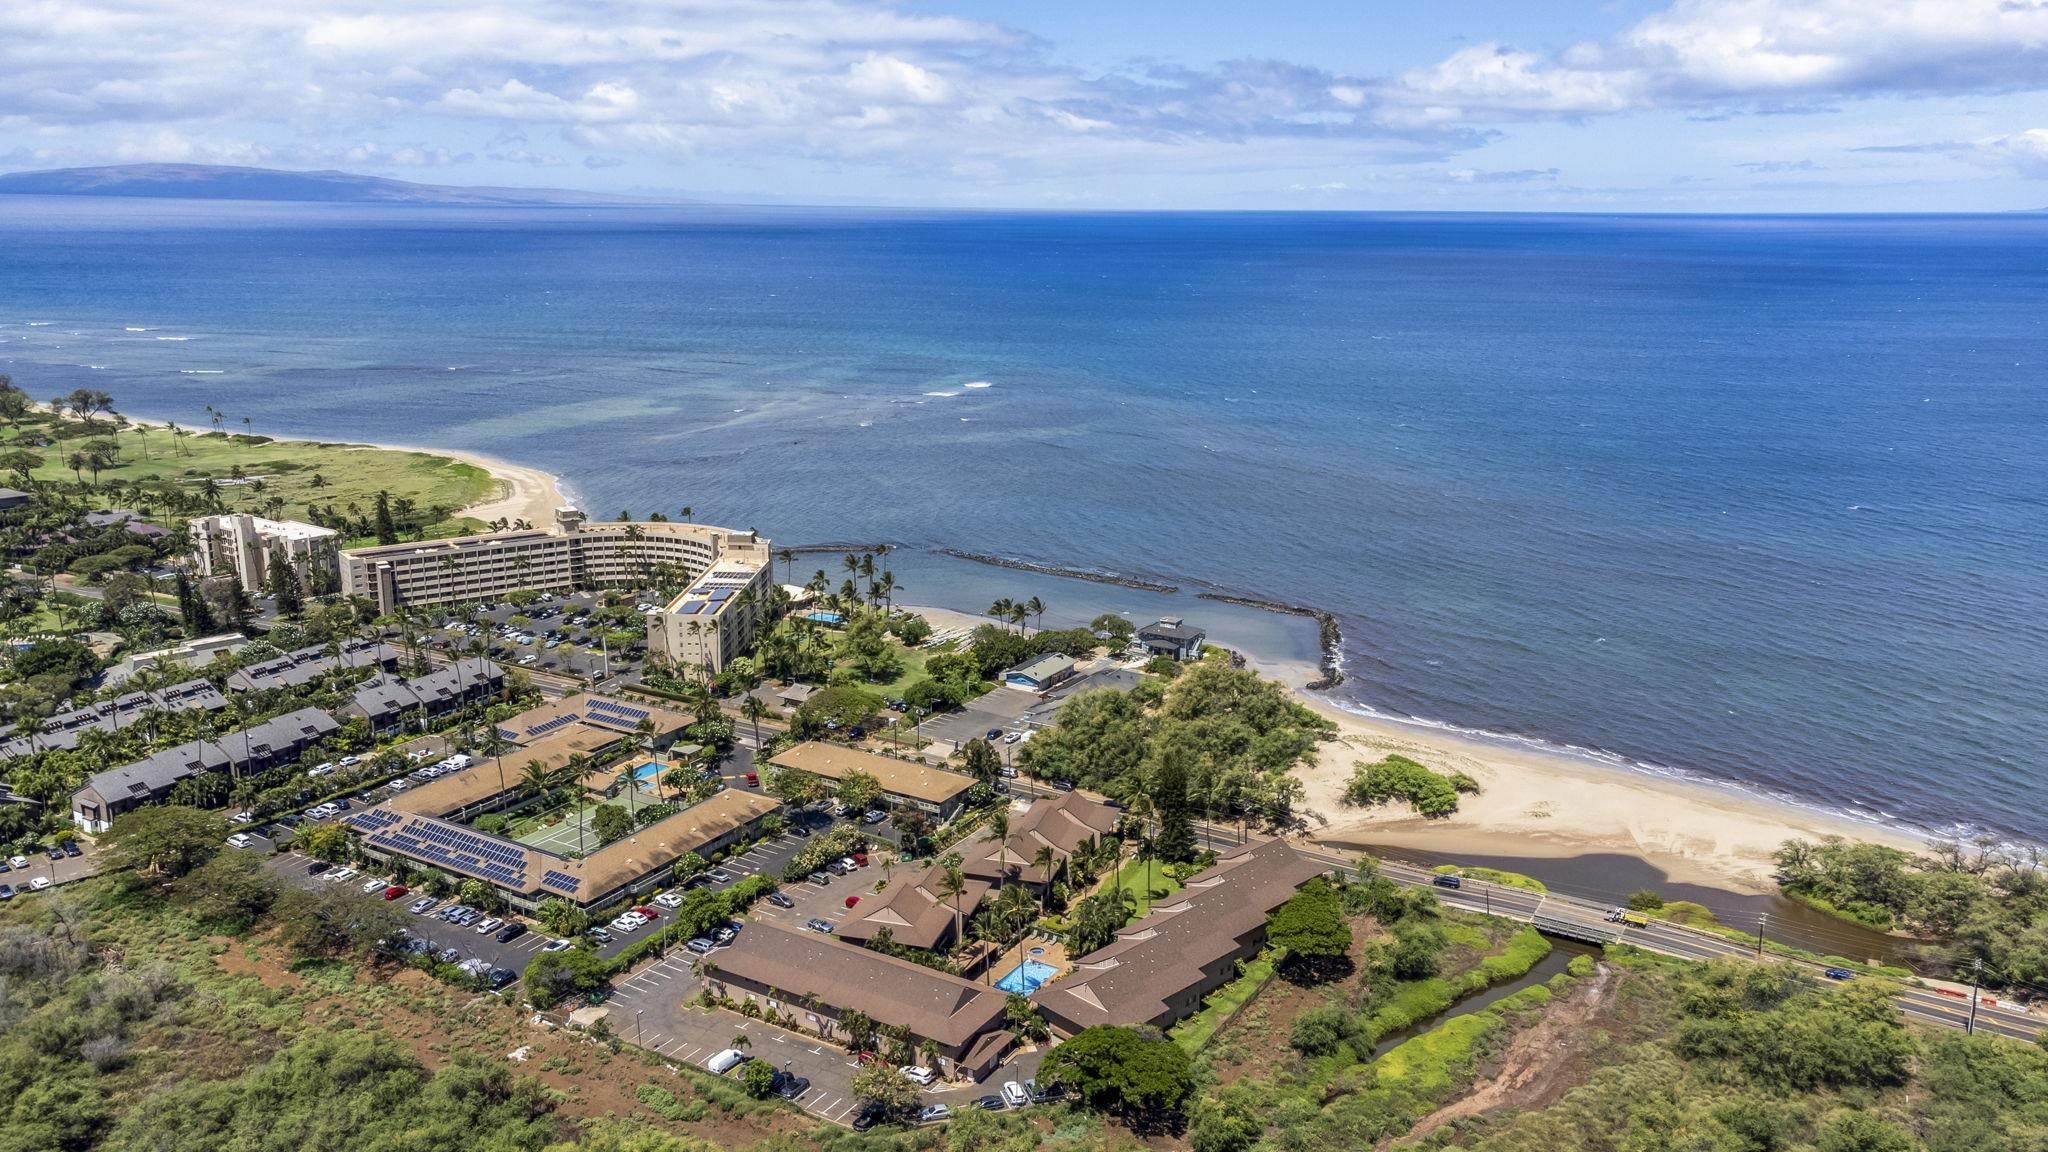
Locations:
1172 637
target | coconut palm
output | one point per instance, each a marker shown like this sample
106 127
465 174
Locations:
1036 607
754 710
952 882
1001 608
1045 861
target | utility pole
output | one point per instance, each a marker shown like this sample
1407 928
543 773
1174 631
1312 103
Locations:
1762 919
1976 977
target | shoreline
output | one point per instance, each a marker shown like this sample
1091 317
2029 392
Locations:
1543 803
1536 802
528 493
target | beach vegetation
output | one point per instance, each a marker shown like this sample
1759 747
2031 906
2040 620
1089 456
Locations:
1312 929
1493 876
1396 777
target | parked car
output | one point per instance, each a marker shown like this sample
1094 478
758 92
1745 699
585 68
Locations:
724 1060
819 878
726 934
669 899
600 935
239 840
17 861
420 905
317 867
933 1113
489 925
793 1087
816 925
994 734
919 1074
510 932
990 1103
1839 974
71 848
556 946
852 900
718 876
448 955
1014 1094
869 1116
873 816
6 892
753 779
395 891
700 946
373 884
39 883
780 901
499 978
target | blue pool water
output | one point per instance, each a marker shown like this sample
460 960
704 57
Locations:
1025 978
826 617
646 773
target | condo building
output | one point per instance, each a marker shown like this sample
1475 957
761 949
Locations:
238 543
574 553
715 618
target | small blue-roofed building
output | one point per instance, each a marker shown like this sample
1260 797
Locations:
1041 675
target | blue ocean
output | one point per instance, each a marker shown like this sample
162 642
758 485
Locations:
1759 499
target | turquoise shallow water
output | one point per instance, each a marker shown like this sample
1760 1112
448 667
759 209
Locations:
1757 499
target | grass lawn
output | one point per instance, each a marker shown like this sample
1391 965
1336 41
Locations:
1133 879
348 474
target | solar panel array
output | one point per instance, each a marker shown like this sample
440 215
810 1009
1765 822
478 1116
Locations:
453 847
561 881
551 725
613 712
374 819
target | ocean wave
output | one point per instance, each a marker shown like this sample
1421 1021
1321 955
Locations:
174 337
942 393
977 384
94 367
201 371
138 329
40 323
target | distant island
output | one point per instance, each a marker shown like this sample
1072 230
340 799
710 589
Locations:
224 182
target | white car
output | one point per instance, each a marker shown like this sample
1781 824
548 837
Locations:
670 899
374 885
725 1060
624 925
343 875
243 817
489 925
919 1074
239 840
39 883
1014 1094
557 946
322 770
17 861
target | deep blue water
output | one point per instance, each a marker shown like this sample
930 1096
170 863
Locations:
1762 499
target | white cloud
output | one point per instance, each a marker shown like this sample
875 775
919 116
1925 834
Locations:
1708 52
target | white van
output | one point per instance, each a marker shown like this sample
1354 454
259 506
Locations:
459 761
725 1061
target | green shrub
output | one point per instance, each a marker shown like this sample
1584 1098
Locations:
1399 778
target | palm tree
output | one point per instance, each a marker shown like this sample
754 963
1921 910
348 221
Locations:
1001 608
952 882
536 777
741 1041
1036 607
687 512
1045 861
788 558
753 709
1017 614
886 589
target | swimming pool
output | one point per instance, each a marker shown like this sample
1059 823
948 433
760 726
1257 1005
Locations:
1025 978
646 773
825 617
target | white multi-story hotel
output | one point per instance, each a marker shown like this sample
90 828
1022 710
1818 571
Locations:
240 543
575 553
715 618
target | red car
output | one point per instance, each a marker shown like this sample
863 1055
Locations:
395 891
650 913
753 780
852 900
860 859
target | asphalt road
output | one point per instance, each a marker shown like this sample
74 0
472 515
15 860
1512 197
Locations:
1931 1005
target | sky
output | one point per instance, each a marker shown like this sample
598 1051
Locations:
1458 105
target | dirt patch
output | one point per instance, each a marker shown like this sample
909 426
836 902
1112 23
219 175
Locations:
267 968
1255 1044
1534 1069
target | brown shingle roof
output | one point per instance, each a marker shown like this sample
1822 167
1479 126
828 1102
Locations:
1132 979
900 777
895 992
912 909
1060 823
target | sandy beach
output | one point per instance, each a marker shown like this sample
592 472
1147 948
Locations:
523 493
1536 803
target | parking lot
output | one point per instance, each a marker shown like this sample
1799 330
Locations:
40 865
1001 708
575 651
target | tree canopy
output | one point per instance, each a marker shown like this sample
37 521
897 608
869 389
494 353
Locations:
1144 1080
166 840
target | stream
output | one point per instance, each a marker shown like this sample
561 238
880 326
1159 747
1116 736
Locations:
1561 953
